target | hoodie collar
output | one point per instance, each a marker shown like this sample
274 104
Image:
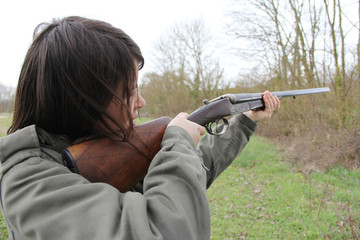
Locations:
29 142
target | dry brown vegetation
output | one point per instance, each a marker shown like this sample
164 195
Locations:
310 132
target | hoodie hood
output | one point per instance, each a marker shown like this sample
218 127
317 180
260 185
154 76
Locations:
29 142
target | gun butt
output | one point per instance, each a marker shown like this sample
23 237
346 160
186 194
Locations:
120 164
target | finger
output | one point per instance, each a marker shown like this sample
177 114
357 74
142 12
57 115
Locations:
269 106
277 102
266 100
202 131
183 115
186 116
200 128
273 105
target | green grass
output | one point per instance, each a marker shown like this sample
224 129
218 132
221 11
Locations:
142 120
5 121
260 196
3 229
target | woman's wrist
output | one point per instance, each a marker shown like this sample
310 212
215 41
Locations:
251 115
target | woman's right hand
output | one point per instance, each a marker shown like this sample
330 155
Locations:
195 130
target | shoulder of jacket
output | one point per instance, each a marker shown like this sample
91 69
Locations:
26 143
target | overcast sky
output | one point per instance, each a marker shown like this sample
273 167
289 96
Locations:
144 20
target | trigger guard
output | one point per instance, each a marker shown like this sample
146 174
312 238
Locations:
217 131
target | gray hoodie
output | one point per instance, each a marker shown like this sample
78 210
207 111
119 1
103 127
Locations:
42 199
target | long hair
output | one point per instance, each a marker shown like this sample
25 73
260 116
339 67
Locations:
70 75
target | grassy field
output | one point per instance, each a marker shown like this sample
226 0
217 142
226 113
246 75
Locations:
5 121
261 196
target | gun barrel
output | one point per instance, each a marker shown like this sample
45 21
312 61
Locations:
246 97
301 92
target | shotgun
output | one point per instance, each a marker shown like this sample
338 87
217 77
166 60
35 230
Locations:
123 164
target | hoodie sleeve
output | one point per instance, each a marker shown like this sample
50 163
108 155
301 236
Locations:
42 199
218 152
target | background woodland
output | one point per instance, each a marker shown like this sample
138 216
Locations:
286 45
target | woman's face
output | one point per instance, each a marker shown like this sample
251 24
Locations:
136 102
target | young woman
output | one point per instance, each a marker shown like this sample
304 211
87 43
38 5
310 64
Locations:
79 79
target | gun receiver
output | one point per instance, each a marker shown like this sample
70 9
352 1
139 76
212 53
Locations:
123 164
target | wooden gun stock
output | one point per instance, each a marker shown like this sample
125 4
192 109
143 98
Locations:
120 164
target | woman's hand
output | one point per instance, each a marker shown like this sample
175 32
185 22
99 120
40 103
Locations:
195 130
271 104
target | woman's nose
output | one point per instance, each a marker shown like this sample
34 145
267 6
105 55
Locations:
140 102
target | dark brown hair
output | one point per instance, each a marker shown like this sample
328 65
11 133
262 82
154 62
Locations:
70 75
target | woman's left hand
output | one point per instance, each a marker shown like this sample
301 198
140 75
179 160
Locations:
271 104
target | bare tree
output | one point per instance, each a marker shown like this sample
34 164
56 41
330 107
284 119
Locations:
343 79
266 26
303 42
358 45
7 98
184 57
278 26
